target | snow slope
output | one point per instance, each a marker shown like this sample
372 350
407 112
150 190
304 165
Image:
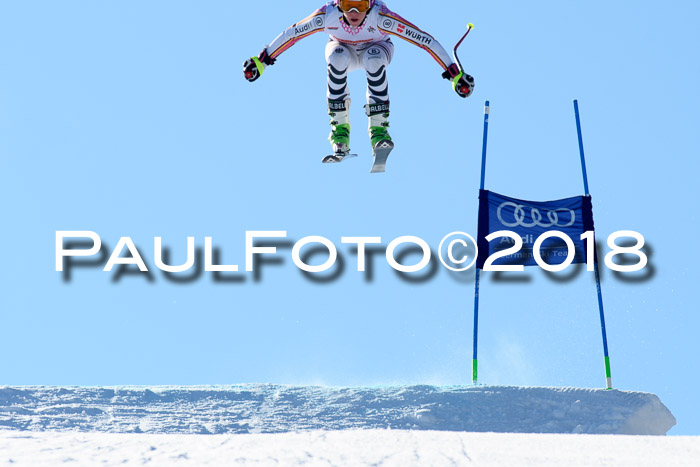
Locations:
267 408
349 447
264 424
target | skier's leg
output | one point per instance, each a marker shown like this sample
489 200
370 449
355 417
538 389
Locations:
375 60
339 59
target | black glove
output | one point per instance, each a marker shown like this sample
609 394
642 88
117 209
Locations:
254 66
462 83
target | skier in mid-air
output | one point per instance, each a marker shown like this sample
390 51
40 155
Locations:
360 37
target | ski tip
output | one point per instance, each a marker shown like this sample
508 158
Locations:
470 25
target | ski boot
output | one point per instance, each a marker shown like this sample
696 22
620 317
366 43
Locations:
340 131
382 145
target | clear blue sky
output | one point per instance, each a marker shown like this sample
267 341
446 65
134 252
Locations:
133 119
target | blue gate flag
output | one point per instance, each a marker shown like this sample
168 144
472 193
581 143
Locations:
528 220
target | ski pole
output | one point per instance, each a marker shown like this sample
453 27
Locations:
470 26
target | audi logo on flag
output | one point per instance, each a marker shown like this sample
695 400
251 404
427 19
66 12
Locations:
555 217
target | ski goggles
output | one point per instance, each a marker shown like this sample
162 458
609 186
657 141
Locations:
358 5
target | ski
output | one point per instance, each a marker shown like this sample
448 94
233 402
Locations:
381 153
337 157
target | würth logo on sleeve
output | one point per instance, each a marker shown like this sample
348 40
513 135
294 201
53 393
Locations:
400 27
417 37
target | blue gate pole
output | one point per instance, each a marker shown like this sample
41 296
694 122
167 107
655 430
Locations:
483 144
608 377
476 277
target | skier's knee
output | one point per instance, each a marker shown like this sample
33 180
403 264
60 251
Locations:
374 58
339 58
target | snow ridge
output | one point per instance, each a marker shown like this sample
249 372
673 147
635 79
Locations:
268 408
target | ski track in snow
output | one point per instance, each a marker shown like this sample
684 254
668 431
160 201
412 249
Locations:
268 408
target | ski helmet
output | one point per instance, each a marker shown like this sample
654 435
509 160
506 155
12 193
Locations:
358 5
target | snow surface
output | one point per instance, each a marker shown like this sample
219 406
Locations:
264 424
267 408
351 447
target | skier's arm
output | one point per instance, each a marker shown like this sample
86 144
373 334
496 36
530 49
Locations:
253 67
312 24
395 25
